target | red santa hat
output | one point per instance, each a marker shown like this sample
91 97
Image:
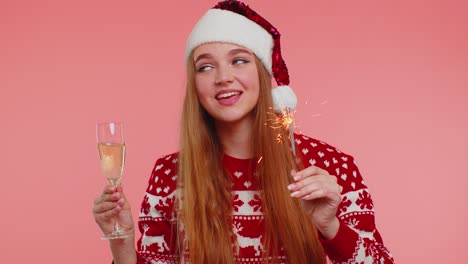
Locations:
234 22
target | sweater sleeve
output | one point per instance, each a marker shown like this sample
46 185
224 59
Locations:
357 239
158 241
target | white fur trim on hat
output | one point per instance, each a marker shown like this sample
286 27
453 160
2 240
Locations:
225 26
283 97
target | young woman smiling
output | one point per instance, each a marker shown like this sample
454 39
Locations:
235 192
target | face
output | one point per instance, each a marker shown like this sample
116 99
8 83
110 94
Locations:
226 80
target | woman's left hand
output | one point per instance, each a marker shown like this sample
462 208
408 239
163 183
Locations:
321 196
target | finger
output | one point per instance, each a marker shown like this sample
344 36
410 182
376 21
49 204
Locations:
120 190
323 193
309 171
326 186
108 215
103 207
317 191
106 206
309 188
122 194
113 197
126 204
309 180
330 192
108 189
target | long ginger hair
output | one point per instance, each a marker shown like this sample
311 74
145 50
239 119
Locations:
204 189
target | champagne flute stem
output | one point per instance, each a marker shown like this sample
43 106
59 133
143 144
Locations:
116 227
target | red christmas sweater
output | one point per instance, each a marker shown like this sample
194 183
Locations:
357 240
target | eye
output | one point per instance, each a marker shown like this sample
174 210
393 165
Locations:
204 68
240 61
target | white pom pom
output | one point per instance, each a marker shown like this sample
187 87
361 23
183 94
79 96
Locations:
283 97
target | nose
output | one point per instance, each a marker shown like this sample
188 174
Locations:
224 75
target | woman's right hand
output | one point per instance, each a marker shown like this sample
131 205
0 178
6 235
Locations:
112 205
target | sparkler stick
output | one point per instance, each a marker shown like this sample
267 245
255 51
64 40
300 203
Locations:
291 132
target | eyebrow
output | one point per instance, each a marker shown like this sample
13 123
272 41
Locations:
235 51
203 56
231 52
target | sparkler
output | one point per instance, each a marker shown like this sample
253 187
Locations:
285 120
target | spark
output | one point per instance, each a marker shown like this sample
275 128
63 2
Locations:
283 120
260 159
279 138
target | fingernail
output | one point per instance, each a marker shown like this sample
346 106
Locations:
121 201
294 194
296 178
291 186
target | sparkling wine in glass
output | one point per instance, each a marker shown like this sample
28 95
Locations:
111 149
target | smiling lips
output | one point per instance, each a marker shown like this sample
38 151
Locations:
228 97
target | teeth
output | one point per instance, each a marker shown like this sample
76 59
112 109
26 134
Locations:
225 95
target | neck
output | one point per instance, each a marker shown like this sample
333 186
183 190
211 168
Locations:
236 138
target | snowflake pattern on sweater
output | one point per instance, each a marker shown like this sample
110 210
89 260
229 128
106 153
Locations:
357 240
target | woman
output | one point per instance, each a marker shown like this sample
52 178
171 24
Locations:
237 192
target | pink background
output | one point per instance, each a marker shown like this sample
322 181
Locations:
388 78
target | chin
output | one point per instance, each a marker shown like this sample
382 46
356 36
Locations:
233 118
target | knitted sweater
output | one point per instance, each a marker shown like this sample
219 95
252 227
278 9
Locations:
357 240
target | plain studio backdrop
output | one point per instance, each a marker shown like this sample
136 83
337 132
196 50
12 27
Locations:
385 81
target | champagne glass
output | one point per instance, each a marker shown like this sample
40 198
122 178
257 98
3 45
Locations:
111 149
